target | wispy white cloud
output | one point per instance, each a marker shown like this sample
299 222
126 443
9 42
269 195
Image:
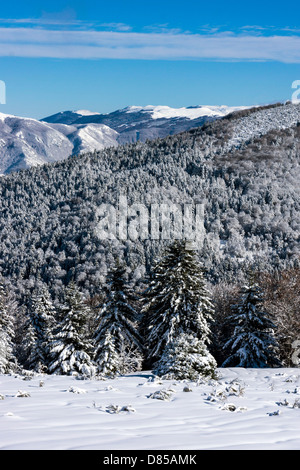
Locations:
125 44
116 26
62 23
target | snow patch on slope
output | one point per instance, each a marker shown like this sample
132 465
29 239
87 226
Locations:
87 138
193 112
85 112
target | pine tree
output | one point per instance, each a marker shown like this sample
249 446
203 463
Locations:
39 330
71 348
177 300
117 320
186 357
252 343
108 359
7 358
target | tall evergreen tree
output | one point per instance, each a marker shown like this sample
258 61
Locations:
177 300
71 348
7 357
107 358
41 318
252 343
117 322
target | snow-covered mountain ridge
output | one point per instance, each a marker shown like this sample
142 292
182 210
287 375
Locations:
191 112
27 142
145 122
153 112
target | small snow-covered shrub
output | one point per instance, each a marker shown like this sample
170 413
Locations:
113 409
283 403
22 394
296 403
231 407
128 409
109 388
76 390
235 388
274 413
27 374
116 409
155 380
164 395
186 357
225 391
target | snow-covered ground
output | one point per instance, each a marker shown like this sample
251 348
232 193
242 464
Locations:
243 409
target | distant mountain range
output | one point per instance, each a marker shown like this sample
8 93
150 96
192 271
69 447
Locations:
26 142
142 123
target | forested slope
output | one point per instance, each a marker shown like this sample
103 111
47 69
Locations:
243 168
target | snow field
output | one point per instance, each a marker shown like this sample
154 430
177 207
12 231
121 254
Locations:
243 409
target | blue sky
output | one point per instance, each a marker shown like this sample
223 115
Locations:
103 56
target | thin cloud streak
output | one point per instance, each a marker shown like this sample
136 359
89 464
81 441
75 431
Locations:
92 44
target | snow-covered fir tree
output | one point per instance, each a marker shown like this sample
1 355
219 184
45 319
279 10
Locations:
116 330
38 337
187 357
107 358
252 343
7 358
71 348
176 301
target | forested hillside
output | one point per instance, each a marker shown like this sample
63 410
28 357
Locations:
244 169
